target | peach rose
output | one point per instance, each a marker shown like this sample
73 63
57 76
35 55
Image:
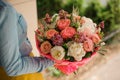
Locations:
88 45
68 32
50 33
95 38
45 47
63 23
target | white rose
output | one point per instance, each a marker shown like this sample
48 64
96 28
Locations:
76 50
57 52
69 43
89 25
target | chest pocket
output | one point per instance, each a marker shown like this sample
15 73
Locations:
22 24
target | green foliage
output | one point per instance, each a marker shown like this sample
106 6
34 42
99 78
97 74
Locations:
55 72
48 6
76 3
94 10
98 13
114 6
53 6
88 54
112 14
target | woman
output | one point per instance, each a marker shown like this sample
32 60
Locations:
15 62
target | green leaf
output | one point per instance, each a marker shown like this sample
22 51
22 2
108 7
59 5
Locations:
70 58
65 46
75 24
88 54
102 34
54 18
56 73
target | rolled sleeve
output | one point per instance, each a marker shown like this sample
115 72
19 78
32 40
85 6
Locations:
10 56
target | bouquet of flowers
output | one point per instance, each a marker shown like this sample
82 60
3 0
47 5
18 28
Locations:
68 39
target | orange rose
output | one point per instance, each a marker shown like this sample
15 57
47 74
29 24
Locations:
95 38
50 33
68 32
88 45
45 47
63 23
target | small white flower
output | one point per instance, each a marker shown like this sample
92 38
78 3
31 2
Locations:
102 44
89 25
76 50
57 52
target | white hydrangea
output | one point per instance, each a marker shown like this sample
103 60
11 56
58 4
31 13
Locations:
76 50
57 52
89 25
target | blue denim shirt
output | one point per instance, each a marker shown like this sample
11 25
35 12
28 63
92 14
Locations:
14 45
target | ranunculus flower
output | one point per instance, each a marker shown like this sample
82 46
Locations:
95 38
63 23
45 47
76 50
50 33
57 52
88 45
68 32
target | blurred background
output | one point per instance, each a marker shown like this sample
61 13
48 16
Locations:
101 67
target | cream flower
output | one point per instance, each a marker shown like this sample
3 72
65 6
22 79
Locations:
69 43
57 52
76 50
88 25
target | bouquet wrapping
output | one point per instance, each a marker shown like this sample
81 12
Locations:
68 39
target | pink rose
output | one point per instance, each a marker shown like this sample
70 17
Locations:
50 33
68 32
63 23
95 38
88 45
86 31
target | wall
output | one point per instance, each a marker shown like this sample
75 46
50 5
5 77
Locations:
28 9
